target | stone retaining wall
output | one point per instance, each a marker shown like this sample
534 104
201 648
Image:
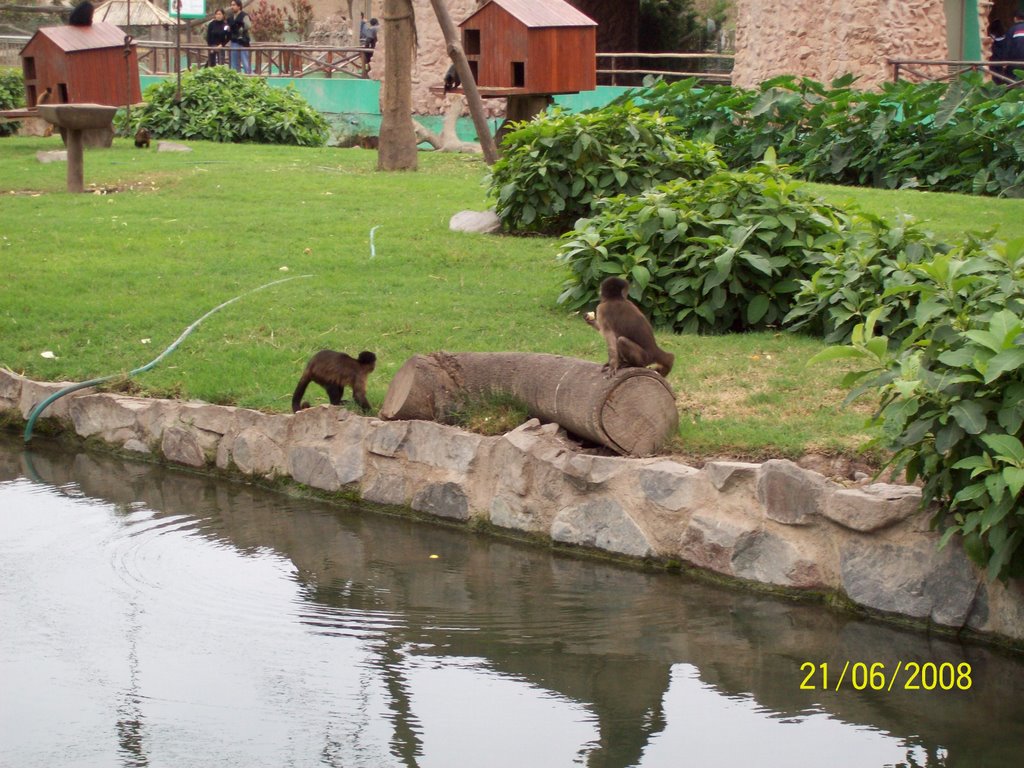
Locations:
774 523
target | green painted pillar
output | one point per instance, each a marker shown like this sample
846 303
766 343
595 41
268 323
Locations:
972 31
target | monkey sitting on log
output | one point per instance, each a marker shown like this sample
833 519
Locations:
626 331
334 371
142 138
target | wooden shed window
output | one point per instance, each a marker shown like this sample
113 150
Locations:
518 74
29 67
471 41
62 93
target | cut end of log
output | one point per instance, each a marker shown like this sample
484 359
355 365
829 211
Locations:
639 416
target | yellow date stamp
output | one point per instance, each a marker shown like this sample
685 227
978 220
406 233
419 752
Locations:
876 676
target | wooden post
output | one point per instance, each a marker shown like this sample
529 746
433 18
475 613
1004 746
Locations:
76 174
458 56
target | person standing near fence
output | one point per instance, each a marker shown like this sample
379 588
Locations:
1015 44
368 35
241 26
218 35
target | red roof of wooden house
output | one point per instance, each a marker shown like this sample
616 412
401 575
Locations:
537 14
69 38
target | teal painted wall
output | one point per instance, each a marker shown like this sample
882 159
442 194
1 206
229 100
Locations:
353 105
336 95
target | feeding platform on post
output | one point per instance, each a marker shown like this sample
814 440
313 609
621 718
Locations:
73 120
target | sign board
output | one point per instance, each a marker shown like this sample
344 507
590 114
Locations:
190 9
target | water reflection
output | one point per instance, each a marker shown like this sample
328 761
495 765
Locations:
217 623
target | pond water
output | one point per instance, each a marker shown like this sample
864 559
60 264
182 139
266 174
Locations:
150 617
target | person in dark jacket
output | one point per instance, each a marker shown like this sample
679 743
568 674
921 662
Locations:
368 35
1015 44
241 26
218 35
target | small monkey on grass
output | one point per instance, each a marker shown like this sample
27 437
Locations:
626 331
334 371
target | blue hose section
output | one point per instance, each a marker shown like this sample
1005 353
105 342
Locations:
148 366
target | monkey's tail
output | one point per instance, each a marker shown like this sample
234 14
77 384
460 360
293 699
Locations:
300 390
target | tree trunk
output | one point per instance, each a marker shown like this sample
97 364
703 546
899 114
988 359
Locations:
633 413
458 57
448 140
397 150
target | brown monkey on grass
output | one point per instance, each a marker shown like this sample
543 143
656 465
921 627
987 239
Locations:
334 371
626 331
142 138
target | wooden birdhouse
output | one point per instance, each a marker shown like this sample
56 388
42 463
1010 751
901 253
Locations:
80 65
523 47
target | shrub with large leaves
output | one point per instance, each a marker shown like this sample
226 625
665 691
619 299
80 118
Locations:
952 397
717 254
219 104
851 283
12 96
966 136
555 166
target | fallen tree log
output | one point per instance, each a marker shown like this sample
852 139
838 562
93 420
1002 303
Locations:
633 413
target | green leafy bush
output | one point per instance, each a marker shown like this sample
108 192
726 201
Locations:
967 136
718 254
952 396
553 167
219 104
12 96
851 283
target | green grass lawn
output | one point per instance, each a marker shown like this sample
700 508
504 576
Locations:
107 281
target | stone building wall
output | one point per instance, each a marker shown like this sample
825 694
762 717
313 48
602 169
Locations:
825 39
775 524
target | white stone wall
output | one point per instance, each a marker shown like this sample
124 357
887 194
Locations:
773 523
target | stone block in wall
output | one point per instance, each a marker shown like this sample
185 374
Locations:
916 580
529 460
215 419
443 500
10 389
873 507
730 476
332 462
710 540
159 416
769 558
386 437
319 423
602 524
591 473
789 494
675 487
310 464
519 514
383 487
182 446
441 446
114 418
254 453
34 392
999 608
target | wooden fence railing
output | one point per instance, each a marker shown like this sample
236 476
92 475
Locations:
922 70
284 60
630 69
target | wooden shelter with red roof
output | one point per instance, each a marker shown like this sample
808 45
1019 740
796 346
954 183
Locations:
526 47
80 65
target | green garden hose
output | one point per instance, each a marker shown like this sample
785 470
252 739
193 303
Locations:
93 382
